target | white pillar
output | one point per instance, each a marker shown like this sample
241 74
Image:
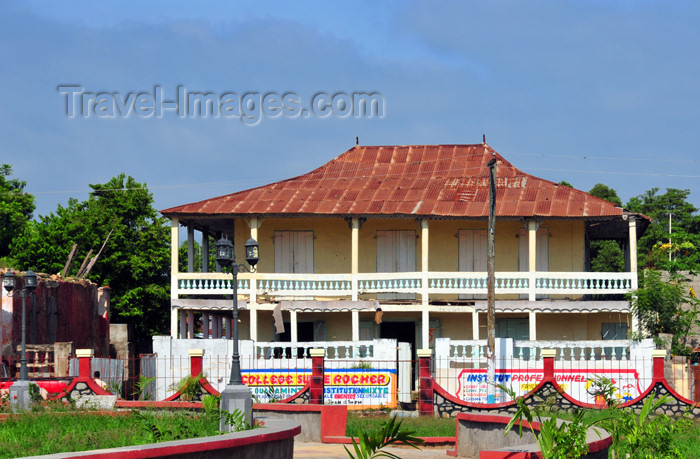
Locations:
424 245
355 325
633 248
190 324
174 246
532 245
532 319
253 323
293 325
425 314
632 222
475 325
355 246
253 223
354 261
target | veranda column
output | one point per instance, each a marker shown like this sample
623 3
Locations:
190 248
229 325
532 255
205 250
190 324
216 326
174 246
293 326
354 269
253 224
632 222
425 318
205 325
475 325
533 325
183 323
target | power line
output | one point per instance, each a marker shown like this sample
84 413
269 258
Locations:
606 158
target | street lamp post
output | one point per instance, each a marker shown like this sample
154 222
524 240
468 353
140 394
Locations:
236 395
19 391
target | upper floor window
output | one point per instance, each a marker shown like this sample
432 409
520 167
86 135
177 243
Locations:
542 249
396 251
294 251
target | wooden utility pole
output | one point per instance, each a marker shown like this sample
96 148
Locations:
69 261
491 284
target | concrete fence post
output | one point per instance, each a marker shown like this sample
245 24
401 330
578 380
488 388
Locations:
425 400
196 356
84 358
658 356
548 358
317 378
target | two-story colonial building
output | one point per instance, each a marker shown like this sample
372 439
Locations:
403 229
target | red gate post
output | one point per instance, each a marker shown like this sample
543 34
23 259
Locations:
548 360
84 358
316 386
425 400
658 356
196 356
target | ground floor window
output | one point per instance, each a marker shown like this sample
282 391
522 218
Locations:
516 328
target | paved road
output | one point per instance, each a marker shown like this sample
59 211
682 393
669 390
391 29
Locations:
336 451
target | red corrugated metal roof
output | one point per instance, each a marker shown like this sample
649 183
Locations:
418 180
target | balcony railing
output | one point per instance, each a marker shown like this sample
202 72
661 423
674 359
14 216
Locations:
354 286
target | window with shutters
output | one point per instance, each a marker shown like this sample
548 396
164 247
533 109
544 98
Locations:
396 252
472 254
518 329
294 251
541 252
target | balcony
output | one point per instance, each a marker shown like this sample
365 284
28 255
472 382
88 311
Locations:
424 285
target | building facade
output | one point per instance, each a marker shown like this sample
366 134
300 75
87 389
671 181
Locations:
390 242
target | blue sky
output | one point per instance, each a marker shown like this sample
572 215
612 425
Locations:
583 91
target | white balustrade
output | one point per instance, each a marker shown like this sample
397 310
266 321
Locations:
340 286
450 350
574 350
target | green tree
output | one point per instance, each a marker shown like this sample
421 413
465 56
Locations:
654 246
605 192
16 207
666 306
606 255
135 260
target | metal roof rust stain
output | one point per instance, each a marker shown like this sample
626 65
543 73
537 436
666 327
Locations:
415 180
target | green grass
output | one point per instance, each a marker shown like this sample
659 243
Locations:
364 421
50 432
687 440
